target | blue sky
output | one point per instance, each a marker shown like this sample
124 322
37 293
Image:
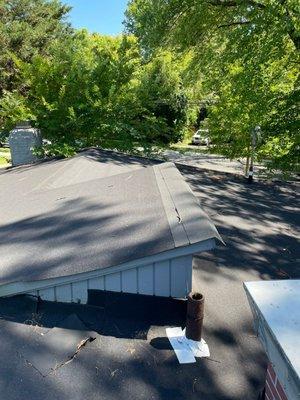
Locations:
102 16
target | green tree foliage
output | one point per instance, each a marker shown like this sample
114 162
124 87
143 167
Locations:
245 54
94 90
160 93
84 89
27 28
239 58
187 23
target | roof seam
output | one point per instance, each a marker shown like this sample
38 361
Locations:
177 228
188 206
173 201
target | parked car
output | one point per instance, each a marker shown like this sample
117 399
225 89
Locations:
201 137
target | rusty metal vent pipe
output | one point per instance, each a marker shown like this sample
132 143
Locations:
194 317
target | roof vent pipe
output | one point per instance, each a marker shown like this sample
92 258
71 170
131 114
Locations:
194 317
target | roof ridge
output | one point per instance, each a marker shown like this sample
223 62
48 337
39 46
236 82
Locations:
178 231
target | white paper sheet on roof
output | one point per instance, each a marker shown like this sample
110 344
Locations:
182 350
185 349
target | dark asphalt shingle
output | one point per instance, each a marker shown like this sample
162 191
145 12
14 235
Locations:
83 227
51 226
85 166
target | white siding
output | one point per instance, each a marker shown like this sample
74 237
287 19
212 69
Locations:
47 294
130 281
79 292
145 279
179 276
171 277
63 293
112 282
96 283
34 293
162 283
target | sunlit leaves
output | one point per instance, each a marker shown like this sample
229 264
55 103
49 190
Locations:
245 54
95 89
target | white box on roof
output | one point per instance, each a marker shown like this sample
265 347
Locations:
276 309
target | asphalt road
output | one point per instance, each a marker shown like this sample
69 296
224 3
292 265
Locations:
131 359
198 157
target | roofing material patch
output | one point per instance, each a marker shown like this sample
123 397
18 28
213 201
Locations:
47 352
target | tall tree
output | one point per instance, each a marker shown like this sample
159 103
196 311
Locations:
27 28
194 22
246 55
95 90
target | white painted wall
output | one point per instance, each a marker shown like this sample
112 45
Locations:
166 278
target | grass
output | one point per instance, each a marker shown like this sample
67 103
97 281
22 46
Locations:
4 157
184 147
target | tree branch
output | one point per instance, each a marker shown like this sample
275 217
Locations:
234 23
233 3
292 31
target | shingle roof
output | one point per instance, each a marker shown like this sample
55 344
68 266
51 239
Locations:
95 210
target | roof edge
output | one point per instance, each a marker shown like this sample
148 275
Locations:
186 210
19 287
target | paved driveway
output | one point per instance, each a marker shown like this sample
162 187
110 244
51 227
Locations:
214 162
132 360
